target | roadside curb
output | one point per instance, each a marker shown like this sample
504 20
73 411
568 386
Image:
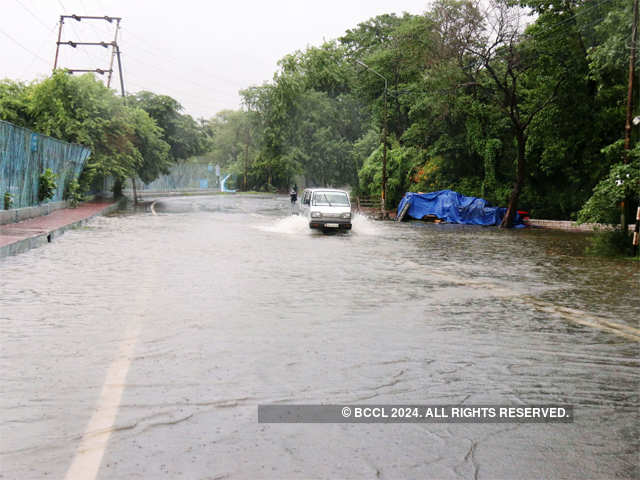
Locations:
38 238
571 226
25 213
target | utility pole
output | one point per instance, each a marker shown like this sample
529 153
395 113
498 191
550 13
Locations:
383 196
632 61
247 140
55 62
624 217
115 49
113 52
246 160
124 99
120 70
383 200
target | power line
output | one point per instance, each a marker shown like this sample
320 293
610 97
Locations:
73 27
181 90
113 44
140 85
48 27
42 47
165 54
77 35
22 46
185 78
159 85
155 66
91 25
174 72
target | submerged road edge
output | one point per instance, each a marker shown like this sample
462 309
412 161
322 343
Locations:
29 237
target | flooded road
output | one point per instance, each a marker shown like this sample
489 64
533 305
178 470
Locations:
140 347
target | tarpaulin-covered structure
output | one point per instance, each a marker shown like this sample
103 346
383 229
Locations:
452 207
25 154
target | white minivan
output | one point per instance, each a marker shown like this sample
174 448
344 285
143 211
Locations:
326 208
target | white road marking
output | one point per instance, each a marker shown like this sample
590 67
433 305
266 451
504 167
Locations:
89 453
585 318
573 315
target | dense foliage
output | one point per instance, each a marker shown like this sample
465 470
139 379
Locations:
47 185
520 103
127 138
7 200
476 102
73 193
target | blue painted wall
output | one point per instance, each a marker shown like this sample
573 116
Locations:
24 155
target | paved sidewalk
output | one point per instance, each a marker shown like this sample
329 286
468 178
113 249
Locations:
19 237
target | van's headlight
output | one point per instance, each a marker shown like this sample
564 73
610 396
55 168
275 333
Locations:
316 214
346 215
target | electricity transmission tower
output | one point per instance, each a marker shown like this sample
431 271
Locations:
115 49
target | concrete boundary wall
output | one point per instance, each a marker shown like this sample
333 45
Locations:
19 214
573 226
36 237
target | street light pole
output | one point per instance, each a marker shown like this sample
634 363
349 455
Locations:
384 142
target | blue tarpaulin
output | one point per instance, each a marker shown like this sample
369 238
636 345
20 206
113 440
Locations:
453 207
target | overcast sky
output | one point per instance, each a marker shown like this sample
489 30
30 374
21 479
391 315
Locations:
201 52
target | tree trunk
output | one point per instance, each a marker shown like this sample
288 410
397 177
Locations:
135 193
246 165
507 221
117 188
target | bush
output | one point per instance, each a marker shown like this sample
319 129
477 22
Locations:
611 243
47 187
73 193
623 182
8 200
267 187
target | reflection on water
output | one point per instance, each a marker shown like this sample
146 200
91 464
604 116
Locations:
235 303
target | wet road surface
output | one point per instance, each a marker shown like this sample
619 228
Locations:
141 345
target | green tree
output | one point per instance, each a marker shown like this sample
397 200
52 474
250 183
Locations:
508 58
184 135
14 102
148 140
124 141
232 139
82 110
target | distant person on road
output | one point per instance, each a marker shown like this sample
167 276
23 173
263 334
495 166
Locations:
293 194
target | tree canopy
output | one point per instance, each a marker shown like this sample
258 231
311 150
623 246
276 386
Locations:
520 103
141 137
516 104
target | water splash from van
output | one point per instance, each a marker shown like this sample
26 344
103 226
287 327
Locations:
362 225
290 225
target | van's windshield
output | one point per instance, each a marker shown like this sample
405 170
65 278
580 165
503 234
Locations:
334 199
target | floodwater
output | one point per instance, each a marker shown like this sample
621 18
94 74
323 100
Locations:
140 347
